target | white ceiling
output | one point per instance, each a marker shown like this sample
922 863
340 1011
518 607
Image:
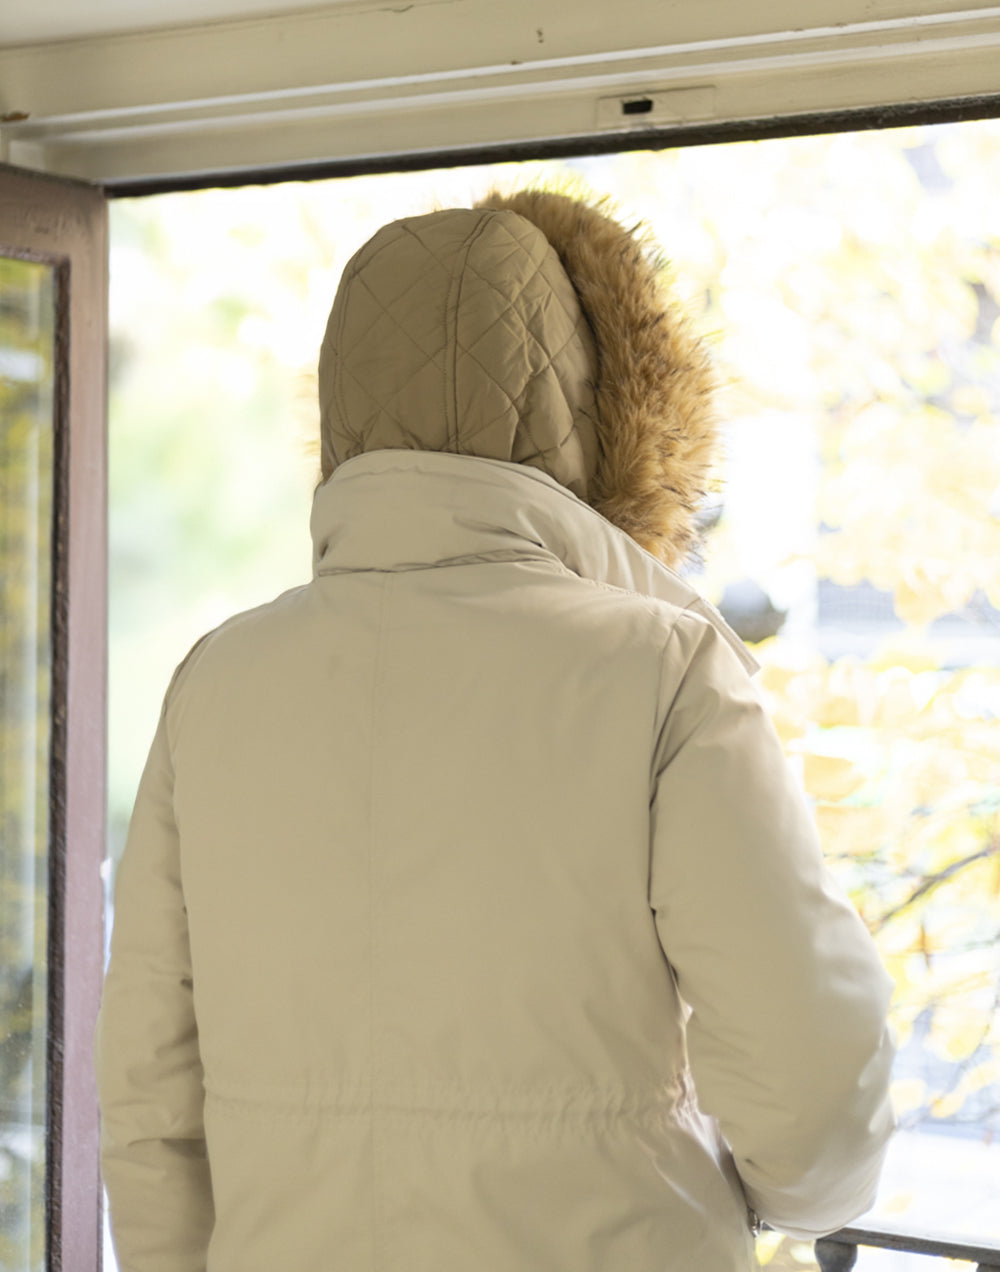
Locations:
34 21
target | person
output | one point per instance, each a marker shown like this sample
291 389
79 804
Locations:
469 915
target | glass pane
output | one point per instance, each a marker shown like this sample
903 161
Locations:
26 457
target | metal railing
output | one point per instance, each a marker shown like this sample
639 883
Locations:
839 1251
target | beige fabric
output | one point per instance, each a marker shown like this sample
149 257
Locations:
459 331
655 384
470 919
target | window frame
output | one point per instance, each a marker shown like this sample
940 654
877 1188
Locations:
365 82
64 224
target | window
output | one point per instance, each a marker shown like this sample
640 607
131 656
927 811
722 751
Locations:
52 693
851 284
27 365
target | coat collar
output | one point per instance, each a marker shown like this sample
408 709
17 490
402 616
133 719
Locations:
408 510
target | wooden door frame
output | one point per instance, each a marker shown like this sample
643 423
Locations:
64 224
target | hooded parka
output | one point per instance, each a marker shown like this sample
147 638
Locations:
470 917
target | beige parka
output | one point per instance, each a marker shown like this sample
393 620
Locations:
470 918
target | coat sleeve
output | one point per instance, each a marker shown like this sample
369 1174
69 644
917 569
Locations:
788 1040
149 1070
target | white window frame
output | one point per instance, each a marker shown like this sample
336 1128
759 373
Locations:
368 82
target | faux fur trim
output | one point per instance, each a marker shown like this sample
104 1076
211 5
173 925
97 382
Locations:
655 380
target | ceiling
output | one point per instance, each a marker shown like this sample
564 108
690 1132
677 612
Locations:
35 21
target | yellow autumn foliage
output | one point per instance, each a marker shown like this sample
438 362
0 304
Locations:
830 778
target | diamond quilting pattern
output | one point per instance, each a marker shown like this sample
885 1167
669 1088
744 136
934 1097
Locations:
461 332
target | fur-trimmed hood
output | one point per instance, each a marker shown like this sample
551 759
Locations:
533 329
